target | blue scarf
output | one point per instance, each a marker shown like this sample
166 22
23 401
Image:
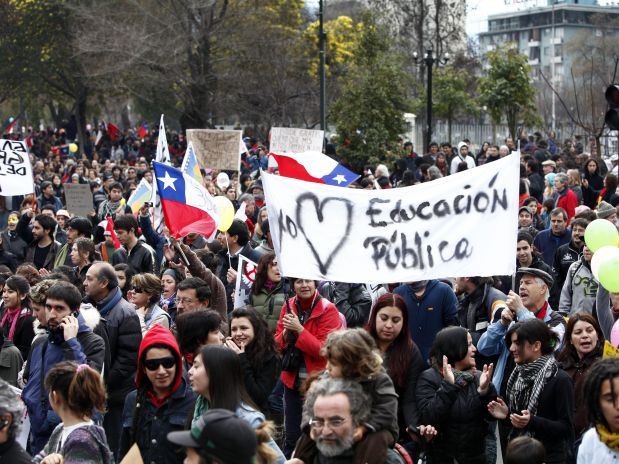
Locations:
113 298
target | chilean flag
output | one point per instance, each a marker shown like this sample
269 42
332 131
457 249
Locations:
187 205
313 166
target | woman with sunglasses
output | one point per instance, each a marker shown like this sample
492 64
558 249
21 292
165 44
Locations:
145 296
162 402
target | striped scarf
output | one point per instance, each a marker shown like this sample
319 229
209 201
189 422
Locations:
527 382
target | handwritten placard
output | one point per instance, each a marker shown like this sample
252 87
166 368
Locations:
216 149
15 168
79 199
294 140
461 225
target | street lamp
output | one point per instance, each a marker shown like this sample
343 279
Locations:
429 60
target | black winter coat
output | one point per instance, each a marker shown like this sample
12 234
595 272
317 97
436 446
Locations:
352 300
459 415
552 423
124 336
14 244
260 380
154 424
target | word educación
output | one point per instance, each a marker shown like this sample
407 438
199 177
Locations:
399 250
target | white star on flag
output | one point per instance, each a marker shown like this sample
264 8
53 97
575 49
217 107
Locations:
339 178
168 181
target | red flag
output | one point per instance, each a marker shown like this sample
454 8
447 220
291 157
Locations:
141 132
10 127
112 131
109 226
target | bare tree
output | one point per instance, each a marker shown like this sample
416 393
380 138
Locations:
594 67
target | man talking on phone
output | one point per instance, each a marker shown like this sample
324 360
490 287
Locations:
69 337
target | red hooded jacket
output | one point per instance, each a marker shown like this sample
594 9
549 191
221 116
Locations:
159 335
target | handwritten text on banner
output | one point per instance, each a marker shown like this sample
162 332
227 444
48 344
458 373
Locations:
461 225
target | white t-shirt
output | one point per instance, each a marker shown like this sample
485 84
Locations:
593 451
66 431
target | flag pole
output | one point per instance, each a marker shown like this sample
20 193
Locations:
228 246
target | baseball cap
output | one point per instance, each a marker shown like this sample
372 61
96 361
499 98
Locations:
222 435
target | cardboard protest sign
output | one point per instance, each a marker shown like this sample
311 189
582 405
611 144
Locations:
216 149
15 168
461 225
245 276
294 140
79 199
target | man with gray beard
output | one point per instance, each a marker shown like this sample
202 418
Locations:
335 412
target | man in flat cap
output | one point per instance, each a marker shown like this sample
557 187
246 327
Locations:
530 302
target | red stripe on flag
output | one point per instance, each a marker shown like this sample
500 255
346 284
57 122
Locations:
289 167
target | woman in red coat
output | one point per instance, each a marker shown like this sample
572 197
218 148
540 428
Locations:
302 328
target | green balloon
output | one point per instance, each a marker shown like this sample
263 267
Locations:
609 274
601 233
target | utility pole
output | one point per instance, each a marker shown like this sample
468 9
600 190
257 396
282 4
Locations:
322 39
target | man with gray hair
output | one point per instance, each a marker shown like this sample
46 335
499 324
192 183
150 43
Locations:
335 412
567 199
530 302
11 413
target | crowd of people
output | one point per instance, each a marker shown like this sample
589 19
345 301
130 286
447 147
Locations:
138 346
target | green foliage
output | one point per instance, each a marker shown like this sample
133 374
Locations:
507 90
369 115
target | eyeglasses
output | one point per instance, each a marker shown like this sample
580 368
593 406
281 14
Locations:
138 290
153 364
184 300
334 423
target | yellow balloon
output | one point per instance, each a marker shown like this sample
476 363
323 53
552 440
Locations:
226 212
73 147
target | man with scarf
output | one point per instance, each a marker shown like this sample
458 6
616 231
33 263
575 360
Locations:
531 302
540 395
115 204
70 337
124 335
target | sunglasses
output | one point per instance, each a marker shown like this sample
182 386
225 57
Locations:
153 364
137 290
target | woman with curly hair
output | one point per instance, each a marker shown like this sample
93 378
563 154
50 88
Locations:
252 340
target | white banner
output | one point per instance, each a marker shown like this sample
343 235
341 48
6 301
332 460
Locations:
294 140
15 168
461 225
245 276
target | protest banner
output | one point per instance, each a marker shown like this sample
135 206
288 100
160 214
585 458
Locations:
216 149
461 225
294 140
15 168
245 276
79 199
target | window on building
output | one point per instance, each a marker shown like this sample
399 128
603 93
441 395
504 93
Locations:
546 51
558 50
559 32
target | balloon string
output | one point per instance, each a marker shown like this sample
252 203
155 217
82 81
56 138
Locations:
228 246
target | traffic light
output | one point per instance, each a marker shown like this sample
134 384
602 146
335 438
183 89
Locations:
612 115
